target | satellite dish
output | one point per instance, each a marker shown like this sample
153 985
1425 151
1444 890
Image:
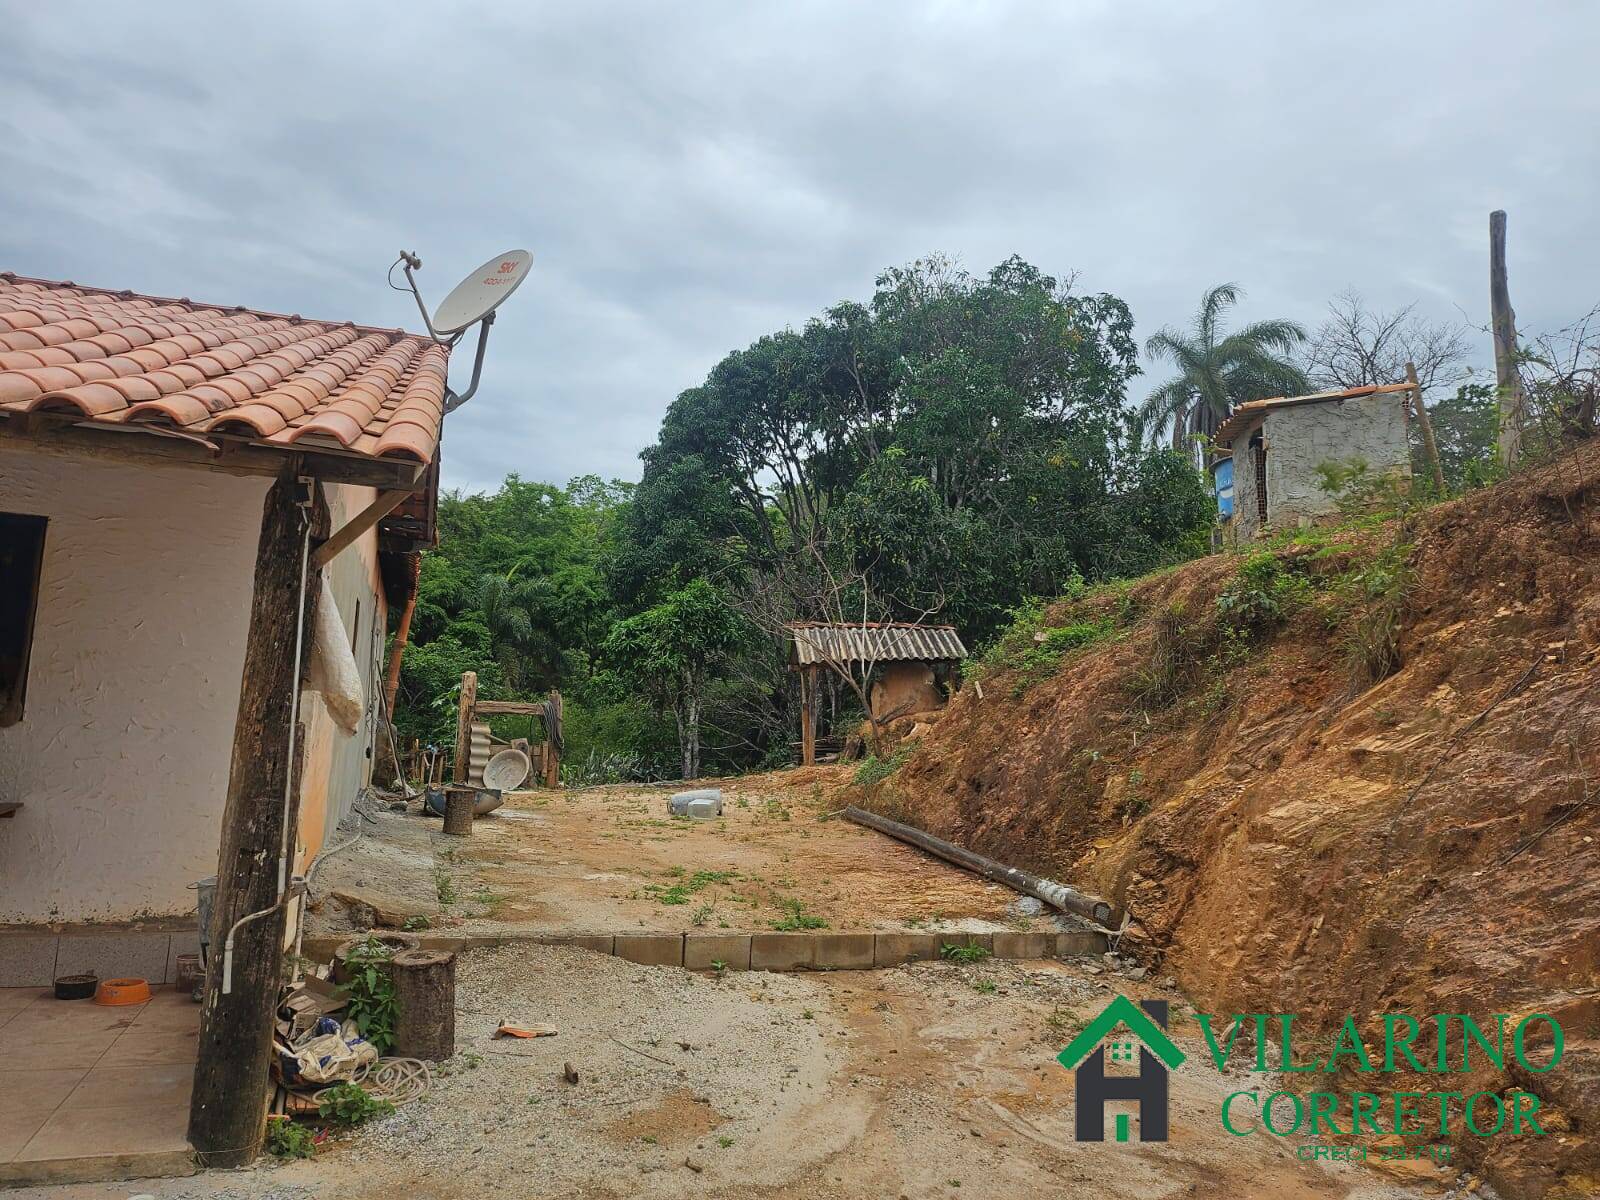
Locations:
481 292
474 300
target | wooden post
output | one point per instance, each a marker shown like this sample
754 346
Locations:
808 717
425 997
1429 446
467 702
1513 404
552 742
228 1107
391 680
459 806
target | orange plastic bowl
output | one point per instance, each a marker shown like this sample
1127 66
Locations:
122 991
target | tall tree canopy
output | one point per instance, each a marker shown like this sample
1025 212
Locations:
1218 370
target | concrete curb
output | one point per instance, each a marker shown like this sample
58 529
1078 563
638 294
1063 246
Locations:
799 951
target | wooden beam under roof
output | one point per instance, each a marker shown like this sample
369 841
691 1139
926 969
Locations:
153 445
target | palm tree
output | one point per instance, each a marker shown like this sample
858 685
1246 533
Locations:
1215 372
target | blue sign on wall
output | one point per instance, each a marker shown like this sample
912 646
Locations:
1222 472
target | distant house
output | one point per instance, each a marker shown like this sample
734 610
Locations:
1276 446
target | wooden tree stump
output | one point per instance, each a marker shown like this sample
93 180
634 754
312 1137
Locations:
425 995
459 804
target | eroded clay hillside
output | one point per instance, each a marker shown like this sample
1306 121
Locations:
1358 772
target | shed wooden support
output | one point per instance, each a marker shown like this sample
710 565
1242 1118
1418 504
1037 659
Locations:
228 1107
808 717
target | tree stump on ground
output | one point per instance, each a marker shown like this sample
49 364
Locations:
459 804
425 997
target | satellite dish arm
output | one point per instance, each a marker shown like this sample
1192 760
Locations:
452 401
412 262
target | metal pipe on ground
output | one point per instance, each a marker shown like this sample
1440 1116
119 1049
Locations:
1052 893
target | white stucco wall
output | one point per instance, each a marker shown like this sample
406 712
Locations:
1300 438
121 757
1303 436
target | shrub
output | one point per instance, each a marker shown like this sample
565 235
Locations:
1265 593
350 1104
970 953
875 770
286 1139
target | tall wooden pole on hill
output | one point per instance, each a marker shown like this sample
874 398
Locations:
1503 321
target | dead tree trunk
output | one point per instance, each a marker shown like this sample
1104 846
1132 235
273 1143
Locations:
1513 404
425 997
228 1109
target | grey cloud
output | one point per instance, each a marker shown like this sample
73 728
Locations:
692 175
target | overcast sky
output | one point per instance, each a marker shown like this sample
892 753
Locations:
692 175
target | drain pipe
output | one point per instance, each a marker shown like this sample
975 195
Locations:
294 728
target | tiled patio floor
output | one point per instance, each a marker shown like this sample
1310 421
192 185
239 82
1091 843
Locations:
81 1081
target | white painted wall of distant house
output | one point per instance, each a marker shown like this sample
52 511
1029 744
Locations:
121 758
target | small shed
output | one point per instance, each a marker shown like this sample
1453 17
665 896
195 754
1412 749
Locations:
1276 446
905 663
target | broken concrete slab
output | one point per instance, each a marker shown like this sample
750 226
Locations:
650 949
372 909
781 951
701 951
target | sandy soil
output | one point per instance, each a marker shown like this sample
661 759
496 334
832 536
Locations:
610 859
927 1081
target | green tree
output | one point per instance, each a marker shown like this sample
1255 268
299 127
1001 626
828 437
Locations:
1218 370
1465 426
669 652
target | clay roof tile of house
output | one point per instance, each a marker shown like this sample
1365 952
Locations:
1244 416
117 358
872 642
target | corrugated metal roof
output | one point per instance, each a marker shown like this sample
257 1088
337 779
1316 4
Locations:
1244 416
811 643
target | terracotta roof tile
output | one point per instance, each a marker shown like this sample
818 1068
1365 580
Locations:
119 358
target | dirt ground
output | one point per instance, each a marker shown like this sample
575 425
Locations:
611 859
934 1080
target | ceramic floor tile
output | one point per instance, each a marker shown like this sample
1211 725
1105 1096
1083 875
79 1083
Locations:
146 1047
57 1020
125 1129
16 1131
36 1054
159 1085
163 1013
41 1091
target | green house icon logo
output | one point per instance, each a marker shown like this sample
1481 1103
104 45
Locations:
1093 1088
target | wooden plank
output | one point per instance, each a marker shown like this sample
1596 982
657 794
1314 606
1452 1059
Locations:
228 1108
147 445
552 752
465 703
519 708
1425 422
346 534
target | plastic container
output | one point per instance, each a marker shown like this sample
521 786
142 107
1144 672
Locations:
702 804
76 987
117 992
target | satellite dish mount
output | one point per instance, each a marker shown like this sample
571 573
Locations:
472 301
